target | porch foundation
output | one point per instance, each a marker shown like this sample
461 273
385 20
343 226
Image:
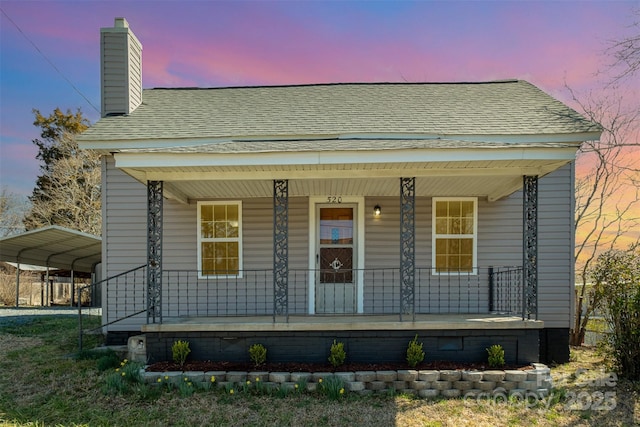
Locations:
554 345
366 340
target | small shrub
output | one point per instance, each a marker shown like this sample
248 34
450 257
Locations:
245 387
230 389
131 372
495 356
258 354
109 360
122 378
146 393
282 391
332 387
415 354
114 384
337 355
185 388
301 385
616 277
180 350
260 388
90 354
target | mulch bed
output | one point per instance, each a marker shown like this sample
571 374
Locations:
196 365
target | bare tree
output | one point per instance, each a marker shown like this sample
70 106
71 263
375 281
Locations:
626 52
12 211
607 193
72 192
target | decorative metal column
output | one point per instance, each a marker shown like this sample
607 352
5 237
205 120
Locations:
407 246
154 251
280 248
530 246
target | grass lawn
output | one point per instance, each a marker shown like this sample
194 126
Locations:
42 384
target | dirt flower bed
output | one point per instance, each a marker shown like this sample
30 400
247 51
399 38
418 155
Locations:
205 366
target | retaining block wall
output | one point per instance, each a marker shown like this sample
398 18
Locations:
427 384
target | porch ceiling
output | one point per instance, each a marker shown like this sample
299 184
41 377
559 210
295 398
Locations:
493 179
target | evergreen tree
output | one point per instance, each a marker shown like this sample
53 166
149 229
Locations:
67 193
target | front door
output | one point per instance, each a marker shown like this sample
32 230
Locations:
335 259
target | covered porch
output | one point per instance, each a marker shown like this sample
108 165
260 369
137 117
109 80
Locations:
353 172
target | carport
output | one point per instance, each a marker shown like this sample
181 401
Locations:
52 247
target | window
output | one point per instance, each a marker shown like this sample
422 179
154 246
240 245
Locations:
454 234
220 238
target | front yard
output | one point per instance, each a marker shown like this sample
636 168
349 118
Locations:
41 384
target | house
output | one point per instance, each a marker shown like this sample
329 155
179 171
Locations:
368 213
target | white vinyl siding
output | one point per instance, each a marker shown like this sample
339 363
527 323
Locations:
219 239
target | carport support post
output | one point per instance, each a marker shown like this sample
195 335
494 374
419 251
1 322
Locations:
530 247
46 290
407 246
17 284
154 251
72 294
281 248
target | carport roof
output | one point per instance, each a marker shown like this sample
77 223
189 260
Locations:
55 247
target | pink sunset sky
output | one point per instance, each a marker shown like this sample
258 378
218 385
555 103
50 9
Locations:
232 43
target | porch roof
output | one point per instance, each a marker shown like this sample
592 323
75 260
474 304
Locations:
344 166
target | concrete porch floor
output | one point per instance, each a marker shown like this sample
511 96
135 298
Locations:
325 323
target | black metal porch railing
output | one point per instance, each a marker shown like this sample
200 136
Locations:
484 290
122 296
496 290
503 296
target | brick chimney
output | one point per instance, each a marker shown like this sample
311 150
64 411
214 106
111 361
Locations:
120 69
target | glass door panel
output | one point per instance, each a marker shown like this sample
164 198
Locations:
335 289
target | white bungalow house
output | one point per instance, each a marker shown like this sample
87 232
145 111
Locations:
367 213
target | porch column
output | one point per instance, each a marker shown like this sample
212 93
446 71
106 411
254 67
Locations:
154 251
407 246
530 247
281 248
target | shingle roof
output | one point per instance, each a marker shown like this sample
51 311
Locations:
335 145
513 107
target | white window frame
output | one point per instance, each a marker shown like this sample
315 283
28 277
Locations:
226 239
434 236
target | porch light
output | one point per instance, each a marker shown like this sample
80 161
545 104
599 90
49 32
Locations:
377 210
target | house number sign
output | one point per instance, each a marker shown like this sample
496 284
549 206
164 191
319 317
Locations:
334 199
